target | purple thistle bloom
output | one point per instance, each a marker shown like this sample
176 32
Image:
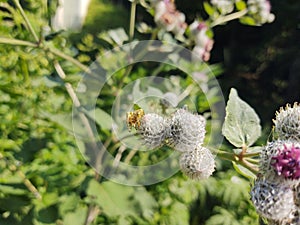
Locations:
287 162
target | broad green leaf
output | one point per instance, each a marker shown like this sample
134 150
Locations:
242 125
114 199
208 8
243 171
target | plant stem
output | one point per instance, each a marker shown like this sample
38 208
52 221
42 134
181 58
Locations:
237 159
132 19
12 41
28 24
224 19
13 168
29 185
69 58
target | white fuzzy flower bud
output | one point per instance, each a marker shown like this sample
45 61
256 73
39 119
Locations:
152 130
287 123
197 164
187 130
272 201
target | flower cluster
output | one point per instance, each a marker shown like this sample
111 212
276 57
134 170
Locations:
184 132
203 43
167 17
224 6
260 10
276 192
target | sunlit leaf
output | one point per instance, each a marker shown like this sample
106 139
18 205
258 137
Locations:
242 125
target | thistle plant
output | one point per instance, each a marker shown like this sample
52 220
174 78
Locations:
280 169
276 175
46 182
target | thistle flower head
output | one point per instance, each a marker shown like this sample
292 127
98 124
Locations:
278 161
197 164
187 130
272 201
152 129
287 123
287 162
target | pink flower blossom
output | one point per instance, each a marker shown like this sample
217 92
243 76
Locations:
287 162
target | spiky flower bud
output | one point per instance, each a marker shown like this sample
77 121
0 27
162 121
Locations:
197 164
272 201
292 219
287 123
287 162
187 130
278 161
152 128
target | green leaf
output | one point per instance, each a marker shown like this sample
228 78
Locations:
243 171
136 107
118 35
146 202
102 118
65 120
68 203
114 199
248 20
8 144
77 217
242 125
208 8
13 189
240 5
179 214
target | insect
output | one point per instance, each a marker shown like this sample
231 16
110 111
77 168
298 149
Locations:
133 119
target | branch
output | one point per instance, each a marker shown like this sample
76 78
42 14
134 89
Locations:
27 22
227 18
12 41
